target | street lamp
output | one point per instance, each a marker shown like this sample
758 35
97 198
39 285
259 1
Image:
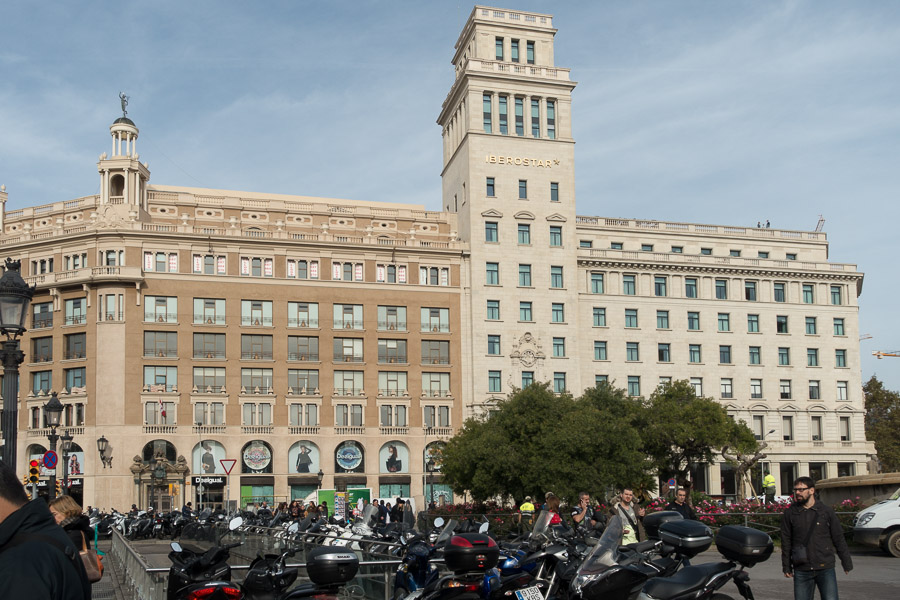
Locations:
53 411
429 468
15 296
66 440
105 452
321 476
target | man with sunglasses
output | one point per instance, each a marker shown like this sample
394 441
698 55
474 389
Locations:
810 535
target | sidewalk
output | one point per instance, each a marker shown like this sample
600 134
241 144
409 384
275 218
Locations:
111 586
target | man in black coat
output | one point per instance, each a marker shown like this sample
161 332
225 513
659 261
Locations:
30 567
680 505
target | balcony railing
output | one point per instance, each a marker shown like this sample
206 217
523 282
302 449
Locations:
439 431
350 430
208 429
257 429
393 392
303 430
303 391
155 317
302 322
209 354
436 327
348 324
76 319
209 319
388 430
348 358
42 358
157 353
391 325
303 356
256 355
384 359
72 354
160 429
207 389
348 391
436 393
256 321
42 321
435 360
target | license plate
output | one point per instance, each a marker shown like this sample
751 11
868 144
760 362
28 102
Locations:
529 593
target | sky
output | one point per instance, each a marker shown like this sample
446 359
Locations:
694 111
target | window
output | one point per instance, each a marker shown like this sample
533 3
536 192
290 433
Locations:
159 413
785 389
810 325
615 245
554 193
840 358
42 315
814 390
392 415
524 275
523 189
781 324
559 347
628 285
486 114
750 291
303 269
646 247
787 428
706 251
842 390
254 266
808 297
303 314
779 292
161 379
551 119
659 286
559 383
42 349
520 117
599 316
634 385
209 413
762 254
677 249
490 231
348 415
596 283
527 378
755 355
632 351
663 353
734 253
493 310
790 256
257 313
348 383
493 345
492 273
436 416
257 378
784 356
256 347
599 350
601 379
163 262
836 294
503 115
435 319
524 234
693 321
690 287
41 381
756 388
257 414
525 311
664 380
303 347
76 311
558 313
159 309
758 426
535 118
490 187
725 355
815 428
556 235
724 322
752 323
812 357
514 50
494 381
392 318
162 343
662 319
209 311
697 384
631 317
529 52
346 271
838 326
74 345
721 289
436 352
694 354
556 277
303 381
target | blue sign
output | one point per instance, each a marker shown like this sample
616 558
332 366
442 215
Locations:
348 456
50 459
671 482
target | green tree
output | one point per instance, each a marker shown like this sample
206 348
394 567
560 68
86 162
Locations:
883 423
680 429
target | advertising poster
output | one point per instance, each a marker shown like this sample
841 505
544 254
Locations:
393 458
76 460
303 457
206 458
351 498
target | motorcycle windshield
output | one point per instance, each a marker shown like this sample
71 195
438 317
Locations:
369 516
409 520
604 554
542 523
446 532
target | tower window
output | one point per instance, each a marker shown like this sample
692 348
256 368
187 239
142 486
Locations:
529 52
551 119
514 50
520 116
504 128
486 100
554 191
536 118
498 43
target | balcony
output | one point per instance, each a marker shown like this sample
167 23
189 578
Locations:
390 360
435 328
160 353
303 430
73 354
75 319
256 355
160 429
435 360
112 316
42 358
393 393
348 358
349 430
303 322
87 275
160 317
436 393
392 326
438 431
42 321
257 429
348 324
303 391
220 355
303 356
389 430
349 392
209 319
254 321
208 429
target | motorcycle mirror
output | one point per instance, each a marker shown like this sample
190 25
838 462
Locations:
483 528
439 522
235 523
294 527
175 546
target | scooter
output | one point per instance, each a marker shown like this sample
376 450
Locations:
196 575
328 568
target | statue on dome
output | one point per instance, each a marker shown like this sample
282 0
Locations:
124 100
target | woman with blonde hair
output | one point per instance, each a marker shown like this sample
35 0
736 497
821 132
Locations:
70 517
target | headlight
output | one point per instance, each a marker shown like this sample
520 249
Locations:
865 519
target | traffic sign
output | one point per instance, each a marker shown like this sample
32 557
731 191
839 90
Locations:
227 464
50 459
671 482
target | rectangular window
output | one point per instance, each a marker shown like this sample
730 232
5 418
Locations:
303 348
663 353
677 249
435 320
596 283
840 358
632 351
815 428
585 244
514 50
161 379
762 254
558 312
628 285
257 378
76 311
303 381
842 390
781 324
662 319
721 289
159 309
523 189
599 350
42 315
494 384
559 347
814 390
756 388
556 277
615 246
755 355
838 326
486 112
348 383
520 117
812 357
693 321
490 231
347 350
301 269
752 323
787 428
836 294
392 318
209 311
599 316
303 314
559 383
779 292
844 428
529 52
694 354
556 235
492 273
758 426
493 345
493 310
810 325
436 352
784 387
254 266
690 287
659 286
393 415
554 191
524 275
206 345
808 295
551 119
74 345
256 347
734 253
634 385
159 413
724 322
725 355
646 247
524 234
535 118
697 384
504 118
256 313
631 317
489 187
601 379
436 416
41 381
790 256
750 291
706 251
525 311
784 356
42 349
527 378
498 43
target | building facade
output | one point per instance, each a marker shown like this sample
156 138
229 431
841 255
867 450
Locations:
331 343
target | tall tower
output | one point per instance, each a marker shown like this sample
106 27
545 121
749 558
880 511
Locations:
509 174
123 179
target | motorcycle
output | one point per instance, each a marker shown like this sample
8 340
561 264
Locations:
195 574
328 568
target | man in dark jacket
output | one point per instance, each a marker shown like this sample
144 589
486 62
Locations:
680 505
30 567
805 520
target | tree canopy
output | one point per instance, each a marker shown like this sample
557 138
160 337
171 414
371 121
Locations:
883 423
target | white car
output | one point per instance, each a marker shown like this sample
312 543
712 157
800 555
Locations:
879 525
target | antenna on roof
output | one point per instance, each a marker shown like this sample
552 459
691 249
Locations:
821 223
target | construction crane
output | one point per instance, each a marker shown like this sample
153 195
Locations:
879 354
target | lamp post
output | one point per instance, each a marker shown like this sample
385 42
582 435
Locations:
429 468
105 451
66 440
15 296
53 411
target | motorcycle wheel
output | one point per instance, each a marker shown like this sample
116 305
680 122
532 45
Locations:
400 593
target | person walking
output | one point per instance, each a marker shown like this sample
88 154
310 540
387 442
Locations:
68 515
769 486
680 505
526 512
810 535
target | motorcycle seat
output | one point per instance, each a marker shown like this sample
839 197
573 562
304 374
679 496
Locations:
684 581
